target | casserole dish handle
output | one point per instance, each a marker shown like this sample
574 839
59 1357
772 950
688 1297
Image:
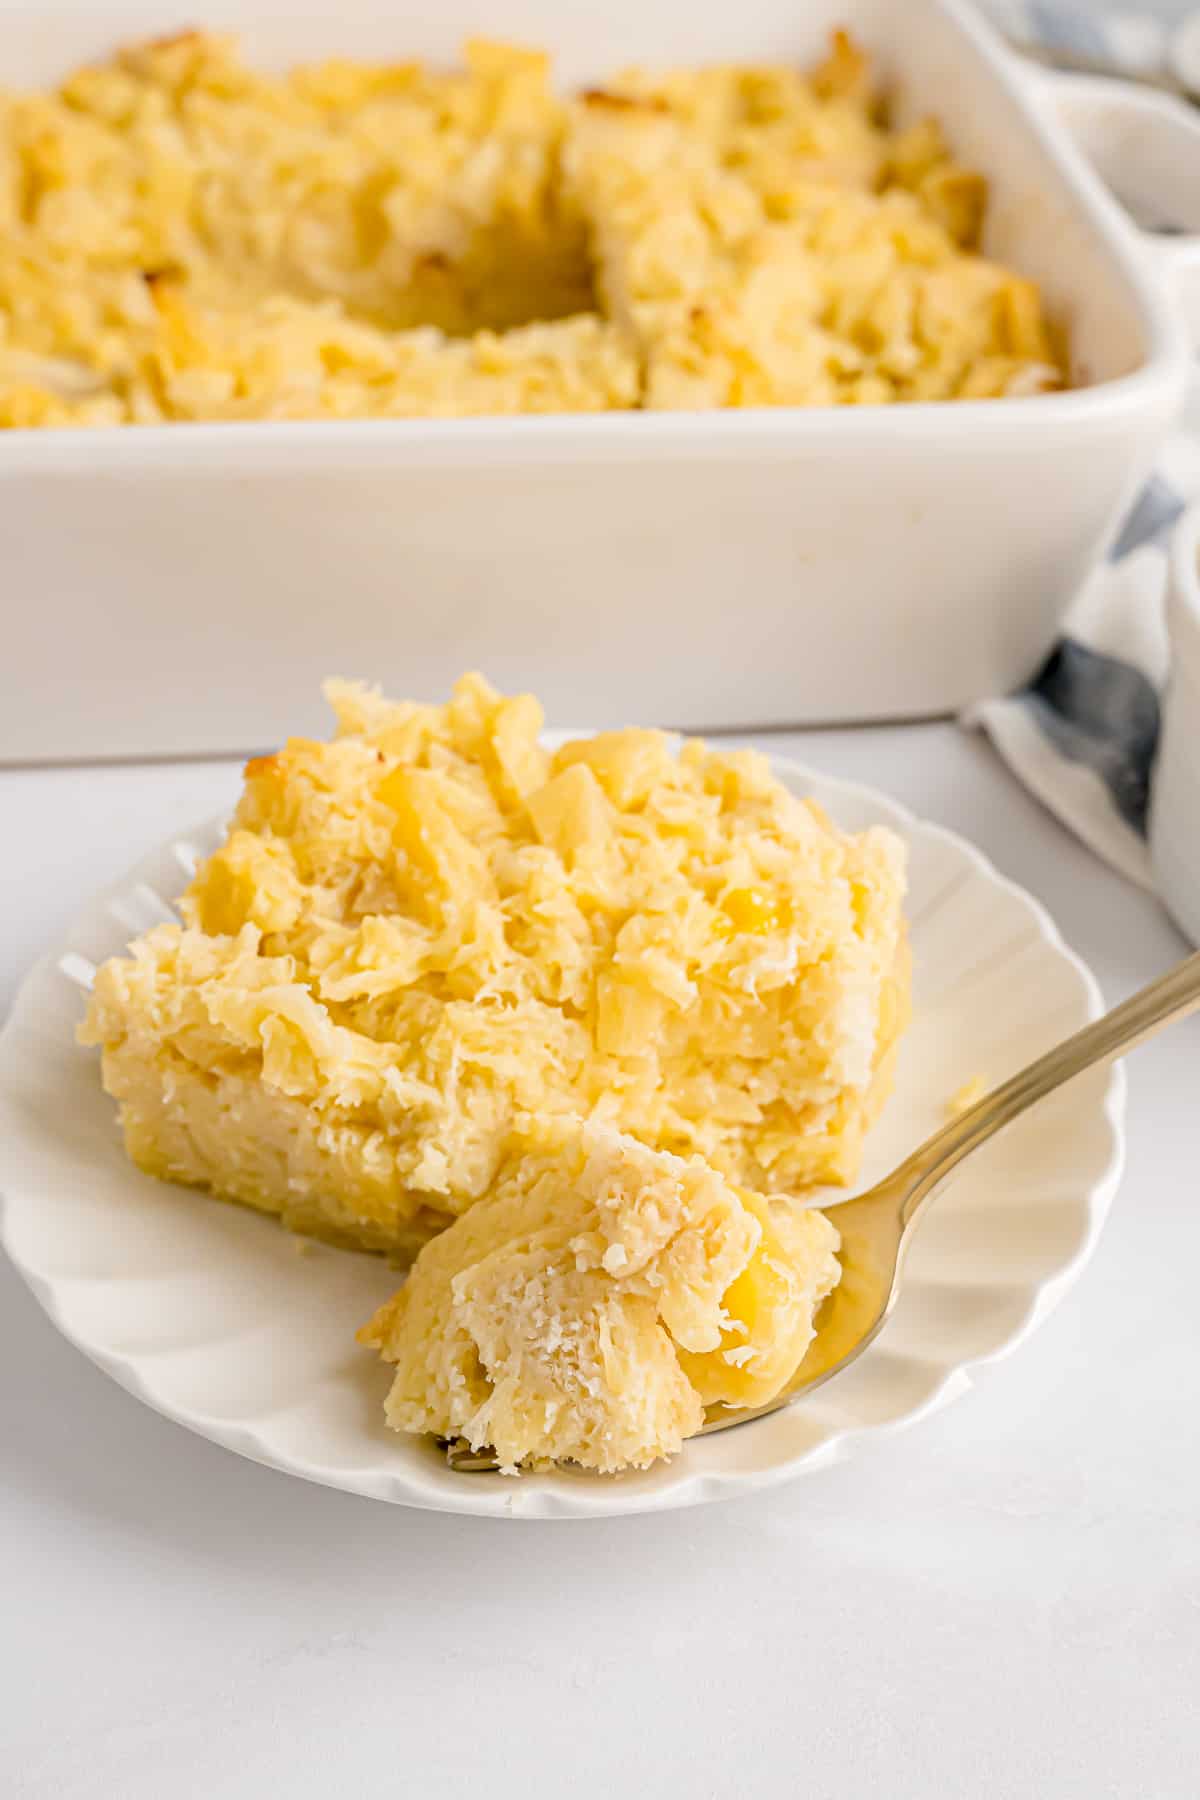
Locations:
1145 146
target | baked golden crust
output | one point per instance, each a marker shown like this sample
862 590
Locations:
185 239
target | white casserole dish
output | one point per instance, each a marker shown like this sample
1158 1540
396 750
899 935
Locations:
183 589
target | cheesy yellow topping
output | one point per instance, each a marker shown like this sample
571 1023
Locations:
183 238
427 936
570 1014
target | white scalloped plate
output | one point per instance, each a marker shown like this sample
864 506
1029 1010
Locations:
220 1320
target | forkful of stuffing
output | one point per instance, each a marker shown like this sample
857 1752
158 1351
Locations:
608 1301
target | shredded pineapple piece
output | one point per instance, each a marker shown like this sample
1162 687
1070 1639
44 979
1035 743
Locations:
749 909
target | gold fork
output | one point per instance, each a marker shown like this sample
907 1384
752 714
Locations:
878 1227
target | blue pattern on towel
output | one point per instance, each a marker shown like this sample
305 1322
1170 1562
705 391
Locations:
1097 710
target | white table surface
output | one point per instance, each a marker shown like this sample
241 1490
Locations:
1004 1600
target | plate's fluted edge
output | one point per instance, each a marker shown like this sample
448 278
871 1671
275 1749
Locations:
543 1497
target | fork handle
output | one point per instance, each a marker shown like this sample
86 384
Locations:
1169 998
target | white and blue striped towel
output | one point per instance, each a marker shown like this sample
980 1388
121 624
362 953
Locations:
1083 735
